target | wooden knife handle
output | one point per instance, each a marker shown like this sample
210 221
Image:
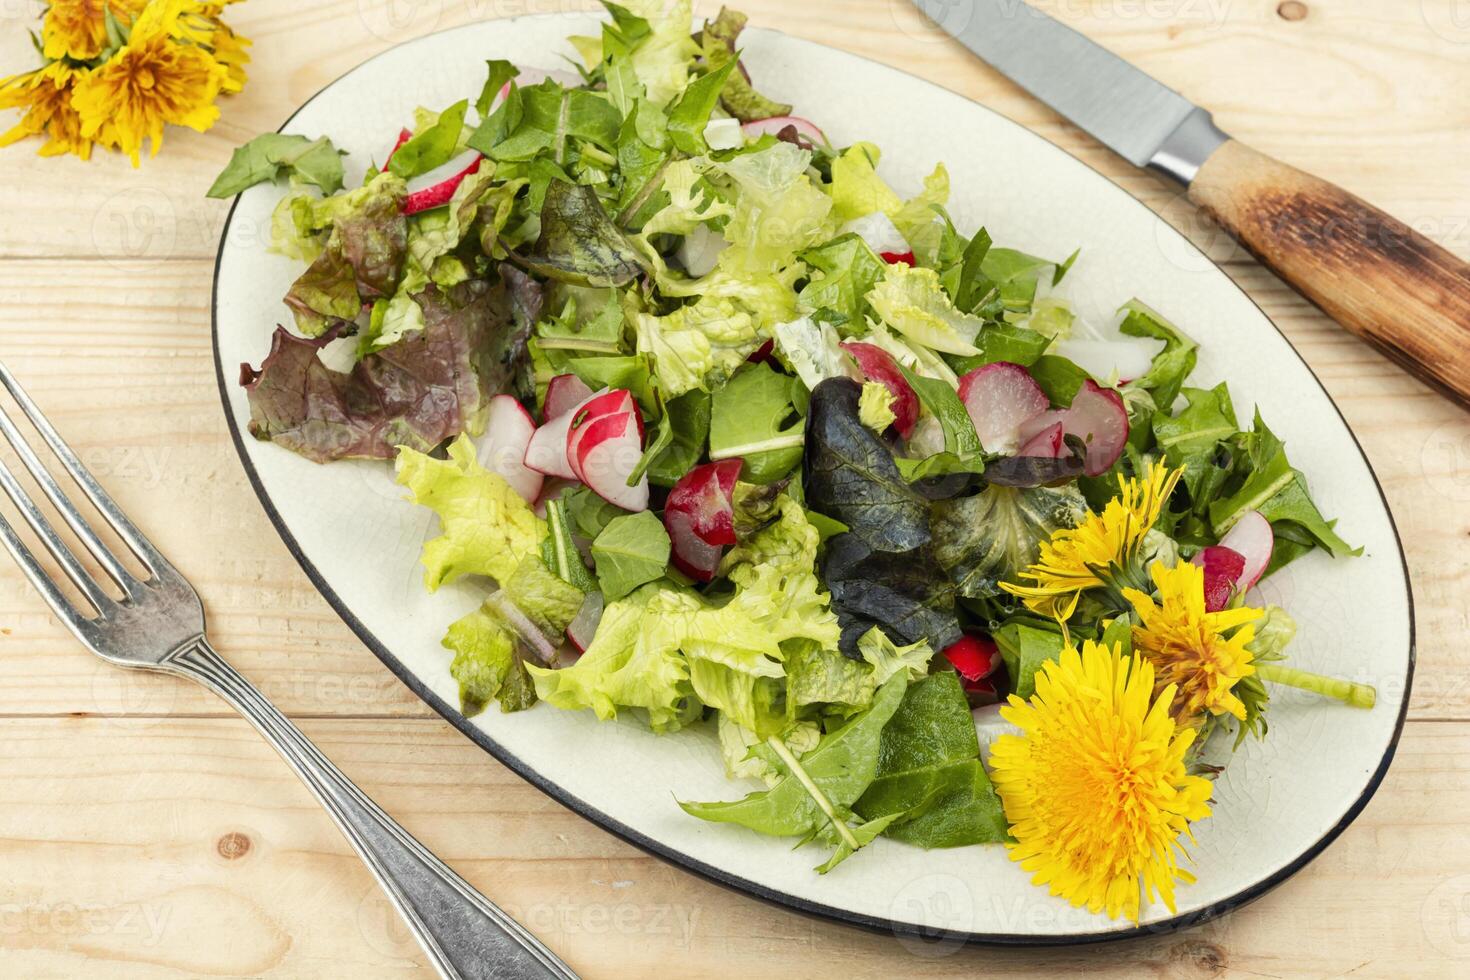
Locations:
1367 270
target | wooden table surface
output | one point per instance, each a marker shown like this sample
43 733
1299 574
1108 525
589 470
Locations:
145 831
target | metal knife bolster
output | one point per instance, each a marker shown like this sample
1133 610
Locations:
1186 149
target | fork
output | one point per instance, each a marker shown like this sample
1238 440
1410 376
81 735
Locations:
158 625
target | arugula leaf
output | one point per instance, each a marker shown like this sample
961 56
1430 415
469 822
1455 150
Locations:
1003 341
1060 378
929 777
752 417
579 243
1279 492
941 401
500 74
686 419
1025 647
547 119
631 551
270 155
1172 365
815 794
432 147
588 512
690 112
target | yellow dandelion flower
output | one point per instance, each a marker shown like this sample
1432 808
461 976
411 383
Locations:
228 49
45 95
151 82
1078 559
78 28
1187 645
1094 787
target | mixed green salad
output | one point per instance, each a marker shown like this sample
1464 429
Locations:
737 434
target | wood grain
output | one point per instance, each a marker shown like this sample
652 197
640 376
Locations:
125 797
1385 282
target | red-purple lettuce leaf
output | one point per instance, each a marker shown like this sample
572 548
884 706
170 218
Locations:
430 386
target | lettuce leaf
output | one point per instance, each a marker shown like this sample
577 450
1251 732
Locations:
842 273
699 345
739 98
631 550
692 200
778 211
912 302
487 664
430 386
487 528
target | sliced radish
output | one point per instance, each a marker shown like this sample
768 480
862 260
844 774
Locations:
584 625
762 353
1098 418
724 134
1000 398
978 662
1222 570
1253 538
435 188
607 453
564 393
700 517
893 258
619 401
700 250
1125 357
805 128
547 451
1046 444
881 234
507 434
878 365
404 135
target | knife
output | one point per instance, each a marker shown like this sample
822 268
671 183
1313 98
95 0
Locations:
1370 272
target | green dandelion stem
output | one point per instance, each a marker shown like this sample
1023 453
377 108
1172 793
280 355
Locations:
1356 695
811 787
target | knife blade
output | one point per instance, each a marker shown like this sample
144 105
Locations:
1139 118
1385 282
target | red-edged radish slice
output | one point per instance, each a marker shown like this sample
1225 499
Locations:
881 234
503 450
700 250
700 517
564 393
535 76
619 401
974 657
762 353
1253 538
893 258
1222 569
608 452
805 128
584 625
1098 418
404 135
1000 398
435 188
1046 444
878 365
547 451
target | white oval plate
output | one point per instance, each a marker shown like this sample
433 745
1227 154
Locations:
1277 806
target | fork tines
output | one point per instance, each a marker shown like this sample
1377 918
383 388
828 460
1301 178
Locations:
111 513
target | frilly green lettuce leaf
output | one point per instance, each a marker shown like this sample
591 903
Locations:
813 350
692 199
487 528
486 664
912 302
699 345
778 211
875 406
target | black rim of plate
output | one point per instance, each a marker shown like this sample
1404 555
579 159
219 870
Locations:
717 875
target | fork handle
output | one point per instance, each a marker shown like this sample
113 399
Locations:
464 934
